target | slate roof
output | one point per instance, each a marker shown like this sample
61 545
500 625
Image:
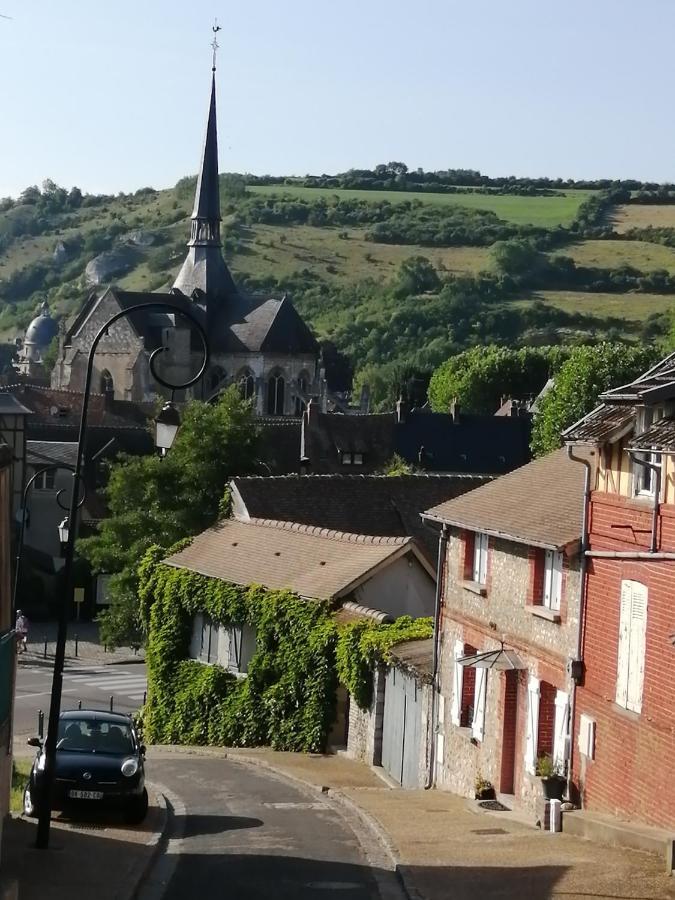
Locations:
264 325
364 504
59 407
10 405
42 452
279 444
416 657
316 563
539 504
604 423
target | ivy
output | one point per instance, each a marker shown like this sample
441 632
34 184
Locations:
287 700
361 645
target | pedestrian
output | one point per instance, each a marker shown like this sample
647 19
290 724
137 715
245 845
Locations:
21 629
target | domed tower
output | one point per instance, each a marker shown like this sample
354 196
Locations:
39 335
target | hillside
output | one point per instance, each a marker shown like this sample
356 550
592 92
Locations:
394 277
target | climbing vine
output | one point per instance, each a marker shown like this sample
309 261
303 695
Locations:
287 700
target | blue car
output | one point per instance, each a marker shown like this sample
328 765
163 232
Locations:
99 762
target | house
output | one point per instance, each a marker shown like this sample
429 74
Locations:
511 577
333 443
625 707
363 504
7 635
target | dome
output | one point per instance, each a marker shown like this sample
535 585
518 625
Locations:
42 329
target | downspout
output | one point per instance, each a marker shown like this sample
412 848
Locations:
582 598
656 469
440 569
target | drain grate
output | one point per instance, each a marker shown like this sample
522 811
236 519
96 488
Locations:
488 831
494 806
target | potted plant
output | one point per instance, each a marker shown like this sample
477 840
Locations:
552 780
484 789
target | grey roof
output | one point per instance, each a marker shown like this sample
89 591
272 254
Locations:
657 383
44 452
661 436
604 423
207 195
539 504
42 329
415 657
10 406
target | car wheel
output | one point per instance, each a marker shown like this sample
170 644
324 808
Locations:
137 809
30 806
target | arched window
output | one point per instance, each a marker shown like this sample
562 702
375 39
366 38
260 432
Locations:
107 385
216 376
246 383
275 394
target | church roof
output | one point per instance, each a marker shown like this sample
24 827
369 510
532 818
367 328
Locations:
207 195
42 329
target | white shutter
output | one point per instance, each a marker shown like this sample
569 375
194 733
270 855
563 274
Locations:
560 744
532 724
196 641
477 540
483 558
480 551
458 677
556 581
548 578
623 655
636 656
478 726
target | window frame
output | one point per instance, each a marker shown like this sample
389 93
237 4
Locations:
481 546
551 596
643 477
46 480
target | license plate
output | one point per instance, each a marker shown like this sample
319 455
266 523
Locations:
86 795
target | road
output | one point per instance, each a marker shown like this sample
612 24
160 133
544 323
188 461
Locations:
93 685
238 831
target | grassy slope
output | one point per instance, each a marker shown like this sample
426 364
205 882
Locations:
613 254
544 211
632 307
641 216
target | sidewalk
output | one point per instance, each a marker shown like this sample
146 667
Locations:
83 644
84 859
445 847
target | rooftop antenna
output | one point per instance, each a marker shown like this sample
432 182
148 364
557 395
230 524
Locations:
215 29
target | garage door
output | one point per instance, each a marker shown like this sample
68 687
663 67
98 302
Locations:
401 728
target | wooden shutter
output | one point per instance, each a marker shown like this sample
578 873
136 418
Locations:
458 676
478 724
548 578
556 581
560 744
636 656
532 724
480 558
623 655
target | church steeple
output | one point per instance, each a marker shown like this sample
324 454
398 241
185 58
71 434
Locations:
204 267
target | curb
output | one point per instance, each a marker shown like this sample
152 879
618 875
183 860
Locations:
155 842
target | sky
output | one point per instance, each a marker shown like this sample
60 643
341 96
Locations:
112 96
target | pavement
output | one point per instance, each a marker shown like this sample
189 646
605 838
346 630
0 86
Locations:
441 846
83 644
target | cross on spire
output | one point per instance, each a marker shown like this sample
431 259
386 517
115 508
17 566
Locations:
215 29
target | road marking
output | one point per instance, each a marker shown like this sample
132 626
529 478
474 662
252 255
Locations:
43 694
315 805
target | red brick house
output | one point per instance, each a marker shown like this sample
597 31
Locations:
625 707
510 597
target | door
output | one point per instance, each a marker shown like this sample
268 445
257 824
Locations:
401 728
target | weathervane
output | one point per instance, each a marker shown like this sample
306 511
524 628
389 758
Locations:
215 29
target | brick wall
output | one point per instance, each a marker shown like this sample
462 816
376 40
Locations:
629 776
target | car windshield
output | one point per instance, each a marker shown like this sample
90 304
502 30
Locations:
94 736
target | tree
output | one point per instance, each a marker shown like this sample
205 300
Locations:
516 257
160 501
478 378
416 275
587 373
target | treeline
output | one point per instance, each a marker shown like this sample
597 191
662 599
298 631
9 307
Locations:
397 176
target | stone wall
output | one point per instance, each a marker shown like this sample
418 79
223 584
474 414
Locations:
364 735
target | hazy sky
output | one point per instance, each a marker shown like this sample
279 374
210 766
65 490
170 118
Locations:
113 95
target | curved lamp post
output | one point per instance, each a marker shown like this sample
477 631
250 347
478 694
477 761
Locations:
167 427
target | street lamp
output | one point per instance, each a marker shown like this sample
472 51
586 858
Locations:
167 424
63 534
44 821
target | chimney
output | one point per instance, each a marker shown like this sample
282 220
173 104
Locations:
401 410
454 410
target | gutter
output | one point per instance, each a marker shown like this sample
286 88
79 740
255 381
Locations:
440 569
582 599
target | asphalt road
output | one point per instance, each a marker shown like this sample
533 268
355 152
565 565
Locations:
93 685
239 832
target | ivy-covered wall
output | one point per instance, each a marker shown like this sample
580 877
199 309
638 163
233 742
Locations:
287 700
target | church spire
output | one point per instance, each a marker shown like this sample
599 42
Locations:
204 268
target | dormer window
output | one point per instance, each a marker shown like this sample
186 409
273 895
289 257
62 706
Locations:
358 459
347 459
644 477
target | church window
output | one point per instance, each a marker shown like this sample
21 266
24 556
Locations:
247 385
216 376
275 394
107 384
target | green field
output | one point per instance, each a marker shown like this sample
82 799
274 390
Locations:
543 211
632 307
613 254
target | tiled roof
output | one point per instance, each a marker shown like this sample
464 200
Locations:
366 504
539 504
355 612
314 562
661 436
39 452
604 423
416 657
657 383
60 407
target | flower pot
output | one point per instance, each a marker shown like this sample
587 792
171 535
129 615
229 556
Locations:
486 794
553 787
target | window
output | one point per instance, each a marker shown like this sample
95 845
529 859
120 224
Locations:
275 394
346 459
216 376
644 478
45 480
630 669
107 385
247 385
358 459
469 692
547 724
230 646
480 552
553 567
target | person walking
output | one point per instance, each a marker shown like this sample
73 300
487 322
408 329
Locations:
21 629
